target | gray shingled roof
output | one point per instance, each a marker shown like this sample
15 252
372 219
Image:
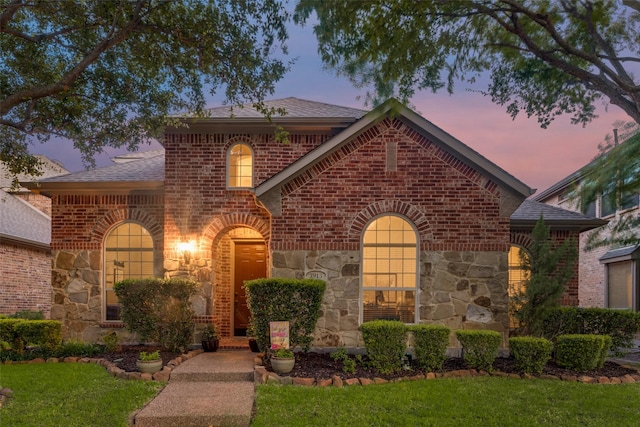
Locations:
131 157
19 221
530 211
145 169
627 252
295 107
49 168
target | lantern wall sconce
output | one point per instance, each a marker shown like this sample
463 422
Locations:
186 248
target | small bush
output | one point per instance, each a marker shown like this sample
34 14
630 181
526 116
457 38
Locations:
430 345
8 334
44 333
77 349
605 350
348 364
621 325
530 354
292 300
110 341
480 348
28 315
580 352
385 341
159 310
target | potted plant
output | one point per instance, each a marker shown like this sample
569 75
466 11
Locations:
209 339
282 361
149 362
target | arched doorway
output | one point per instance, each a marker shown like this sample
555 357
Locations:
240 254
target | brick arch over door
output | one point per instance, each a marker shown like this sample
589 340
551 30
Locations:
380 207
227 222
117 216
520 238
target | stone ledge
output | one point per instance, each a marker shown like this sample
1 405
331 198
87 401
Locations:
262 376
112 368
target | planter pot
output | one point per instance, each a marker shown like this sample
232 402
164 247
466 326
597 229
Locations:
150 366
210 345
253 345
282 366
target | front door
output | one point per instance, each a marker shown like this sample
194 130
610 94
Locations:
250 263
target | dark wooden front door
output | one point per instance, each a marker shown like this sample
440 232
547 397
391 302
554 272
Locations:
250 263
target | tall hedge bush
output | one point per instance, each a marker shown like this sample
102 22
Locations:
386 342
430 345
620 325
158 310
294 300
580 352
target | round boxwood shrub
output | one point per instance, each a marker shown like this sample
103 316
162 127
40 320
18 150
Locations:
580 352
386 342
530 354
480 348
430 345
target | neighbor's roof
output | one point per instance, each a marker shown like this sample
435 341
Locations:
22 223
421 125
146 174
529 212
621 254
295 107
49 168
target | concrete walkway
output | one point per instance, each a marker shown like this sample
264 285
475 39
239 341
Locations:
210 389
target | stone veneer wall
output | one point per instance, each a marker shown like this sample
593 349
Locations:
461 290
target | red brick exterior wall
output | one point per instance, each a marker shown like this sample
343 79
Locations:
523 239
25 279
40 202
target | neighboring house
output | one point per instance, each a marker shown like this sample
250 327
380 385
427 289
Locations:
25 254
609 276
401 219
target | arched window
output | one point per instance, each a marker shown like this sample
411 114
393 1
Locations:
240 166
389 270
128 254
518 276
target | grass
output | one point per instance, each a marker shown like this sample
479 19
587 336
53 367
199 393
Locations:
70 394
487 401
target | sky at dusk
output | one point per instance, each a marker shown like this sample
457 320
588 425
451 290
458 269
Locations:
538 157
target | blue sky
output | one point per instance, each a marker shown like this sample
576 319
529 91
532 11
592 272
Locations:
538 157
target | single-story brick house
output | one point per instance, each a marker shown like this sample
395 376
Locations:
401 219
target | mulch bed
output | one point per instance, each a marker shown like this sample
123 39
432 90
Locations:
321 365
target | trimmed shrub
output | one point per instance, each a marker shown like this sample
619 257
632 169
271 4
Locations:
159 310
430 345
580 352
480 348
530 354
44 333
77 349
620 325
8 334
605 350
28 315
294 300
386 343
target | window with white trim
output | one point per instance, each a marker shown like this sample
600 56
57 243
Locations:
128 254
240 166
389 282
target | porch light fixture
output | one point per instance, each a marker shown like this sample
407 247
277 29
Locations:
186 248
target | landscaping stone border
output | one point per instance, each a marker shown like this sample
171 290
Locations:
262 376
112 368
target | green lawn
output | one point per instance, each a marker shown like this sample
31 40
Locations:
483 401
70 394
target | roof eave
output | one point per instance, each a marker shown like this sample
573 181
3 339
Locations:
95 187
579 225
28 243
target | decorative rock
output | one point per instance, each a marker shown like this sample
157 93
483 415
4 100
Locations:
6 392
528 376
473 372
548 377
53 360
286 380
499 374
482 373
258 361
431 376
615 380
366 381
324 382
604 380
636 377
379 381
134 375
413 378
571 378
146 376
70 359
586 379
273 378
352 381
37 360
123 375
259 374
514 376
162 375
627 379
337 381
307 382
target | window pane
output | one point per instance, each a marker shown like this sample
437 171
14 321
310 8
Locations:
517 281
389 262
128 255
620 289
240 167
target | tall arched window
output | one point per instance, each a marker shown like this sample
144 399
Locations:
128 254
240 166
518 276
389 270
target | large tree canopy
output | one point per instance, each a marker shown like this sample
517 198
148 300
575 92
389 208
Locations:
108 73
543 58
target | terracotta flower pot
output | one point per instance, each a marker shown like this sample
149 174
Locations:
150 366
281 365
